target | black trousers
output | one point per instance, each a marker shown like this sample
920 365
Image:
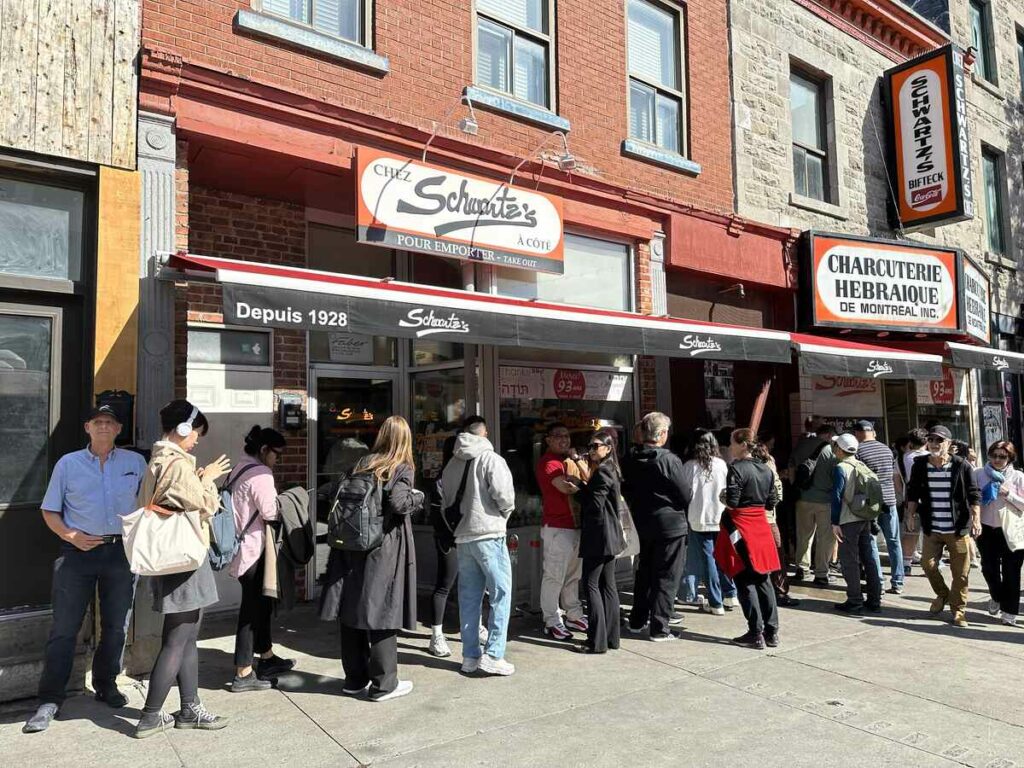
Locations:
370 656
757 599
1001 568
447 571
602 601
178 660
252 635
657 581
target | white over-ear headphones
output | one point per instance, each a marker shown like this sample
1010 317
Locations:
185 428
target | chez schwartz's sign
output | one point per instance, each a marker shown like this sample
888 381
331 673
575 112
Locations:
417 206
862 283
929 143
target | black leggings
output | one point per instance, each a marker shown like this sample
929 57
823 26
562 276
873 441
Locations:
252 634
447 570
178 659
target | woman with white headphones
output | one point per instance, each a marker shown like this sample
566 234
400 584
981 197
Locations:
174 483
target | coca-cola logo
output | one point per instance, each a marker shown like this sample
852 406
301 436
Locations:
698 346
429 323
878 368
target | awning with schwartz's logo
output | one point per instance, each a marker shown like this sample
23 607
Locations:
836 357
984 358
274 296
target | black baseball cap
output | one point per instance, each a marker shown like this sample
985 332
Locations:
864 426
104 410
940 431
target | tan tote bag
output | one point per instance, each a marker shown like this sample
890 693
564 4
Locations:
159 541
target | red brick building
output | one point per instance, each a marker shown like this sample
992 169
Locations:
617 109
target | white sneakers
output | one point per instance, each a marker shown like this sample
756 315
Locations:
469 666
439 647
702 603
731 602
1010 620
716 610
493 666
993 607
483 635
404 688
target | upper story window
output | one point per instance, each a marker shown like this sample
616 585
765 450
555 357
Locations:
656 78
807 99
341 18
981 39
991 173
513 48
1020 60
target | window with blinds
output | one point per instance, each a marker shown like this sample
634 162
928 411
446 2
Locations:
338 18
656 82
514 48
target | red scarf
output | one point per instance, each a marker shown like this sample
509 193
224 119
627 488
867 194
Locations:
745 542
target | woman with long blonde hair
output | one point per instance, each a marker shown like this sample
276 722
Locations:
378 595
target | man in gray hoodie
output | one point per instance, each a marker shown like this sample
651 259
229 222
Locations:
488 498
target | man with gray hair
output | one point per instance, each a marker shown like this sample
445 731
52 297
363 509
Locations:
653 485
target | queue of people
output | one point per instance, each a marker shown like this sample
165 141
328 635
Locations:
710 521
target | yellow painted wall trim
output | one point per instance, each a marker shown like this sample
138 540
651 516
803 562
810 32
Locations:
117 280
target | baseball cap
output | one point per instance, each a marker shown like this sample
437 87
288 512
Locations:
846 442
103 410
940 431
864 426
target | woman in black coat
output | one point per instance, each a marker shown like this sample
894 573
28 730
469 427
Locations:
601 539
378 594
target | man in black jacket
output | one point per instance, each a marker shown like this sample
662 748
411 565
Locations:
943 492
653 487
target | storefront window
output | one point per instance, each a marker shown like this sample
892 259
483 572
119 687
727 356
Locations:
40 230
438 407
331 249
531 397
428 352
596 275
563 357
428 269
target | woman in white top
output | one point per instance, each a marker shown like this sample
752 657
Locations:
1002 493
704 482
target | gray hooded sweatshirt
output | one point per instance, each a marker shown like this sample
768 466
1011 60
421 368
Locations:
489 497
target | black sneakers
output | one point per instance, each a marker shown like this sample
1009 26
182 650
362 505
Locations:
113 697
750 640
249 683
273 667
153 722
196 716
852 609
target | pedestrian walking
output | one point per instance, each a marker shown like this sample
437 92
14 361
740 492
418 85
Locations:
378 594
89 492
1002 546
174 483
254 502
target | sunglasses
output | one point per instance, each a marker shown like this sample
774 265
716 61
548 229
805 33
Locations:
936 439
595 446
999 456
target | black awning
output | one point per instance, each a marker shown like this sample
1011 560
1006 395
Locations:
985 358
832 357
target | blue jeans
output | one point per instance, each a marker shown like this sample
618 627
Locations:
701 566
889 522
484 565
76 575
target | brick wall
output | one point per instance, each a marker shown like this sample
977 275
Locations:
429 46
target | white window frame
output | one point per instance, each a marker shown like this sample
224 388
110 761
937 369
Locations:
365 27
678 9
547 39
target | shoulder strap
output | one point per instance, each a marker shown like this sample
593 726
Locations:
457 501
230 487
157 493
817 451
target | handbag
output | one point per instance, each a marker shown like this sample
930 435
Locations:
632 540
159 542
1011 519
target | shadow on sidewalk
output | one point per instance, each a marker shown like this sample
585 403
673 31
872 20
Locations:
77 707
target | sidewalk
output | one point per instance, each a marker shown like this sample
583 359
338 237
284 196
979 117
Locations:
895 689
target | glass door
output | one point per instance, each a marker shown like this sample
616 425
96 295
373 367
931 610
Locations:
350 408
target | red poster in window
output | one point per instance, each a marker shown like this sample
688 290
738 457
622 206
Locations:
943 390
570 385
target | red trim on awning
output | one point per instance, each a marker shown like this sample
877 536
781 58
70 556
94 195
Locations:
829 345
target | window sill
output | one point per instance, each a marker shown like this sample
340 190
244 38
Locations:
663 157
280 30
985 85
818 206
1000 260
513 107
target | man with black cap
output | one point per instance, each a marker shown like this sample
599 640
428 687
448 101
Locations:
879 459
942 490
89 492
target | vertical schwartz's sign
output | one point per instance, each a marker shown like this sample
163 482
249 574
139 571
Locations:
929 143
886 285
415 206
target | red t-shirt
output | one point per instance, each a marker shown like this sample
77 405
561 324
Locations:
557 512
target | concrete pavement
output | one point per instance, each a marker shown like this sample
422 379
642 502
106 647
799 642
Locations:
895 689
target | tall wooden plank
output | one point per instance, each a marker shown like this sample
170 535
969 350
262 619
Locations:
125 97
77 73
18 74
101 82
49 103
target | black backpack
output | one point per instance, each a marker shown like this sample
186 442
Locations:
356 520
805 469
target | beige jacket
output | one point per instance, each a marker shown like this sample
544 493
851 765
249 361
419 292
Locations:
173 469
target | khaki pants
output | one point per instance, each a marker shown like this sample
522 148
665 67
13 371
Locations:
814 523
959 566
561 579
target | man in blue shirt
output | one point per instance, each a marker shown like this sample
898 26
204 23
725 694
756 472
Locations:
89 492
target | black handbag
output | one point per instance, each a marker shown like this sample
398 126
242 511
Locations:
451 515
